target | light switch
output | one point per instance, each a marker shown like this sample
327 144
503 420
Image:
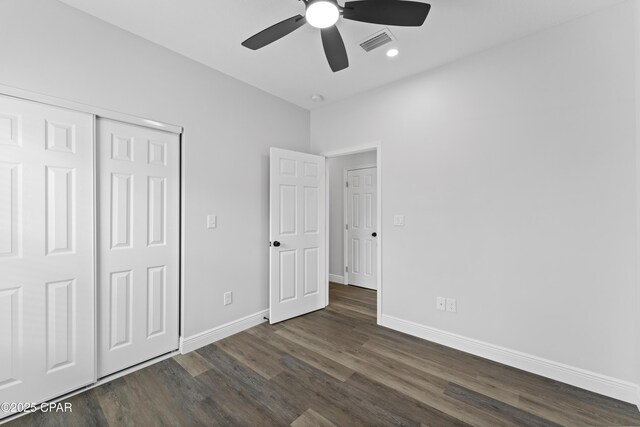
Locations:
212 221
398 220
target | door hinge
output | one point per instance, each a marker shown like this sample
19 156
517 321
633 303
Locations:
346 269
346 184
346 226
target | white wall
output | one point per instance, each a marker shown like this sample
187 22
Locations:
515 169
336 205
50 48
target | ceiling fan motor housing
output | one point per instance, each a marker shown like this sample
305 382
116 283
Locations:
310 2
322 13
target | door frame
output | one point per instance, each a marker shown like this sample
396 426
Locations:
345 204
372 146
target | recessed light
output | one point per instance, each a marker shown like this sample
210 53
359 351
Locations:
317 98
392 52
322 13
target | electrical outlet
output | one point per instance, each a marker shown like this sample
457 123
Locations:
441 303
228 298
451 305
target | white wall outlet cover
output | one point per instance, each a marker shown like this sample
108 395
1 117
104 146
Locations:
212 221
441 303
451 305
398 220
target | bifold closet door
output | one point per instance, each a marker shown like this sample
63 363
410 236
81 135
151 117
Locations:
138 223
47 326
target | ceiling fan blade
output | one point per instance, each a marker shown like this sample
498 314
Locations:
387 12
274 32
334 48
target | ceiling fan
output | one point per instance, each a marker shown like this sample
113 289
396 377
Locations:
323 14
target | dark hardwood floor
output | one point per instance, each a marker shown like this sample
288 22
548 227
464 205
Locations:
334 367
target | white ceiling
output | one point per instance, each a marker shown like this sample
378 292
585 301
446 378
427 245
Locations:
294 68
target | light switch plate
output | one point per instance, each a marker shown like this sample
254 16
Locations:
212 221
228 298
398 220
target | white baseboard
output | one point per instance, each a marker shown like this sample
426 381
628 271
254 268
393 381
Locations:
212 335
597 383
336 279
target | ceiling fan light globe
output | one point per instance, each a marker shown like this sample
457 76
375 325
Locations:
322 14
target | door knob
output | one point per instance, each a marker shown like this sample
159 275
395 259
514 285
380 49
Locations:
374 234
276 243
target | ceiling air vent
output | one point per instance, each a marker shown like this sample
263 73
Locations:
376 40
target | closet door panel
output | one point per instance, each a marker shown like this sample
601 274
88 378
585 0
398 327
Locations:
47 327
138 244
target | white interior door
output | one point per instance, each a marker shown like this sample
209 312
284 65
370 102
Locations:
361 233
138 291
297 226
46 251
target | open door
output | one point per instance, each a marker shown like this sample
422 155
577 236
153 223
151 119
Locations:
297 226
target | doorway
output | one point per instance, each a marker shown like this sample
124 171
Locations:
301 202
354 223
360 226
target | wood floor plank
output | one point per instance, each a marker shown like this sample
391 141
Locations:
155 400
192 398
560 402
193 363
328 329
118 404
609 410
311 418
404 404
359 297
260 356
325 364
337 395
85 411
254 388
513 414
444 371
240 406
345 309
